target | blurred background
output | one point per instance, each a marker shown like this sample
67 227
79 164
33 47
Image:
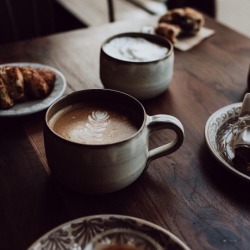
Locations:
26 19
235 14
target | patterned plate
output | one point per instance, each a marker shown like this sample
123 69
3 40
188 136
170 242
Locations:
33 106
74 235
219 131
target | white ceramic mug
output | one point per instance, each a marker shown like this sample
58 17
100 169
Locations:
144 78
109 166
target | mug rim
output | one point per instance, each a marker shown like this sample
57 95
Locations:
147 36
78 92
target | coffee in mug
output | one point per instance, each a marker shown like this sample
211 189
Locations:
93 124
97 140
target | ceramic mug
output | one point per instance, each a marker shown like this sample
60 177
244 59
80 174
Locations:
96 140
139 64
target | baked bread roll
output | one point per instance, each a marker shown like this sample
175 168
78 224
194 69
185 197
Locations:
186 20
168 31
35 86
18 84
15 83
6 101
48 76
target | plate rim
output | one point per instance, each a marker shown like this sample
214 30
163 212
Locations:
37 65
106 216
208 141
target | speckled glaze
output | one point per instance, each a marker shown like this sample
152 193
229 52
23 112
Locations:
143 80
96 169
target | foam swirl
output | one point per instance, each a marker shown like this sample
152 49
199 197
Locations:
97 122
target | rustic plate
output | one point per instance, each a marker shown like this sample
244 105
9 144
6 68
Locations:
74 235
219 131
33 106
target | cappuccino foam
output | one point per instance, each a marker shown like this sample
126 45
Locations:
92 124
134 49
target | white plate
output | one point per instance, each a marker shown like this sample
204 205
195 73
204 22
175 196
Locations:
33 106
219 131
74 235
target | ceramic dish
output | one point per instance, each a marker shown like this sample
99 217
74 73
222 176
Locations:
74 235
33 106
219 132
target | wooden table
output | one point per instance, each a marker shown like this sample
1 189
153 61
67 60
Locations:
188 192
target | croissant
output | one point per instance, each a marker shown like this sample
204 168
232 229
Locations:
5 101
15 83
179 22
35 85
19 84
48 76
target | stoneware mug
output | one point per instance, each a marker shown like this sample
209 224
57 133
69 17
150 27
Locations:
137 63
96 140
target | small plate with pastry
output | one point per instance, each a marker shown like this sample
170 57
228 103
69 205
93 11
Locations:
27 88
184 27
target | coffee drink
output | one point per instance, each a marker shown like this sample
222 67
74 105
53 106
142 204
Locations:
97 140
135 49
93 124
138 64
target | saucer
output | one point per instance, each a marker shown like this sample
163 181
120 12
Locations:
219 131
75 234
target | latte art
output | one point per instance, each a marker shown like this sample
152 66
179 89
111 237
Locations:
134 49
92 125
96 125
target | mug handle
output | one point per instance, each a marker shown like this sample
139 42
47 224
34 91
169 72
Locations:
159 122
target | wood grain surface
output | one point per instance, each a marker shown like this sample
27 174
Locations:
188 192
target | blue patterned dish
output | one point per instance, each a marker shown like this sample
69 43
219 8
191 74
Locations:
219 131
74 235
